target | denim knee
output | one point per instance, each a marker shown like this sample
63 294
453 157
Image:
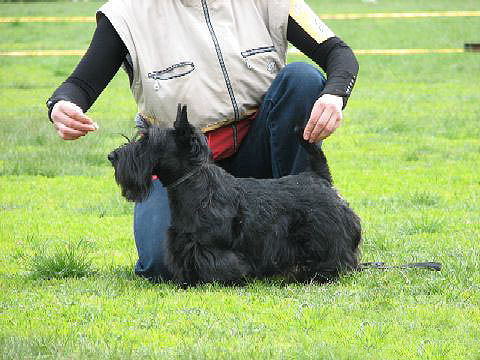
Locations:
151 222
303 77
287 105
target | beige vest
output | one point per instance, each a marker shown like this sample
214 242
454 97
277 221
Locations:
217 56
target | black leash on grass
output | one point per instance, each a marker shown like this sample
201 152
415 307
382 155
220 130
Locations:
434 266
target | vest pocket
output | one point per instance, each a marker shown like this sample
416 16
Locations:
251 54
172 72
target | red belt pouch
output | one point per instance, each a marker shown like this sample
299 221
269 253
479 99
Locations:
224 141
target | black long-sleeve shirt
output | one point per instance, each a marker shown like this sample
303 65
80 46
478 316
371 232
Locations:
107 52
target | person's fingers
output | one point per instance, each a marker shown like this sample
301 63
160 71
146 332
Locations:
312 121
70 121
324 119
67 133
72 116
322 122
329 129
76 113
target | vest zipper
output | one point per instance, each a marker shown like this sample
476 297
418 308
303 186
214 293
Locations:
224 70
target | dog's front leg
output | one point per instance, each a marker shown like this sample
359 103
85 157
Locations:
220 265
191 262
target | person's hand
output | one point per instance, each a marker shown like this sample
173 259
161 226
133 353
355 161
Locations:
324 119
70 122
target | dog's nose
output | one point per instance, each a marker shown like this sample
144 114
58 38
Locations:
111 157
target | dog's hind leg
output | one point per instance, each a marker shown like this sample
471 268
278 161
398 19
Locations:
337 262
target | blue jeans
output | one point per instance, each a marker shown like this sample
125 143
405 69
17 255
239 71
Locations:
269 150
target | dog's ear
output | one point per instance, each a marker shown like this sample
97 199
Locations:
181 124
181 120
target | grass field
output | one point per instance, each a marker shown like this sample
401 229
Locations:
407 157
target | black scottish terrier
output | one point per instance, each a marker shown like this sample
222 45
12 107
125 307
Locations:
228 229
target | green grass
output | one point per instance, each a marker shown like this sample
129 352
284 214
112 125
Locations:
71 261
407 157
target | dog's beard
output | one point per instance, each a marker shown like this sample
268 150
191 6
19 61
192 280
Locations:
134 175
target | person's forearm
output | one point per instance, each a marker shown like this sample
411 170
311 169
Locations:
332 55
95 70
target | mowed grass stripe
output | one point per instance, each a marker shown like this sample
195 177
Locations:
394 15
291 51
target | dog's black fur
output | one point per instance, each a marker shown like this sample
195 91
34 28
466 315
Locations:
227 229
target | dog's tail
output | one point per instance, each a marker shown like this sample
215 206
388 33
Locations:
318 161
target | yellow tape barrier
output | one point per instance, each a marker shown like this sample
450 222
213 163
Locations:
408 51
43 53
46 19
400 15
290 51
396 51
55 19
